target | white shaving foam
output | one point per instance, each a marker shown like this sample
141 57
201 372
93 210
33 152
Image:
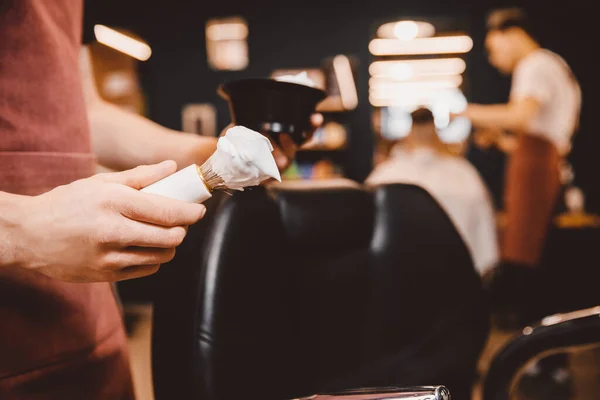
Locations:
244 158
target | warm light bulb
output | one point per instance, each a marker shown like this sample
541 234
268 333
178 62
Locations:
417 68
406 30
421 46
401 72
123 43
227 31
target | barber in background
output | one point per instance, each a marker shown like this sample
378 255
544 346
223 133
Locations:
542 116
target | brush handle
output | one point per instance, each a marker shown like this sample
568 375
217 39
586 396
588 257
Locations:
186 185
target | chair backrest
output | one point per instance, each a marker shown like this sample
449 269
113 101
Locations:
297 291
556 335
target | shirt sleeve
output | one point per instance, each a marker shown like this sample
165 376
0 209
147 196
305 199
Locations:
532 79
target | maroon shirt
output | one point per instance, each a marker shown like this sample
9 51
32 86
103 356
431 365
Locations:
57 340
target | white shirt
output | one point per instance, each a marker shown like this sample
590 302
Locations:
546 77
457 187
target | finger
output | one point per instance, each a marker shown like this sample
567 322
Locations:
284 151
158 210
288 146
280 159
142 176
138 256
136 272
145 235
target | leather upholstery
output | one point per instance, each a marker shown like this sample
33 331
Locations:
557 335
326 218
284 293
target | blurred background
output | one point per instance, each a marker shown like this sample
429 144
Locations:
377 60
194 46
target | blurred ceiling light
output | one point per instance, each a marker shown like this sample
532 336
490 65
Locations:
385 87
226 44
444 80
234 30
411 102
401 71
123 43
406 30
345 81
118 83
410 97
404 70
432 45
379 102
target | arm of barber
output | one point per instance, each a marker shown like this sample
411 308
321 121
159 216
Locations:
102 228
123 140
493 120
514 116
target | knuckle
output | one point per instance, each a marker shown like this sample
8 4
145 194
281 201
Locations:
113 233
176 236
109 195
128 207
170 216
166 216
112 276
105 237
111 262
108 275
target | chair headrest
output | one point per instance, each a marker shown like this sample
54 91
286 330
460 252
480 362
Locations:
325 214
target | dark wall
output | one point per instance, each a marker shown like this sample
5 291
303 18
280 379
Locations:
300 34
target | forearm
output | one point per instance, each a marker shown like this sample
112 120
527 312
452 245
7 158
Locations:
123 140
499 116
9 252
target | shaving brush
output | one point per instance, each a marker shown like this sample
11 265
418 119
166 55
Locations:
243 158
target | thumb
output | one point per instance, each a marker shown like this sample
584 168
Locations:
141 176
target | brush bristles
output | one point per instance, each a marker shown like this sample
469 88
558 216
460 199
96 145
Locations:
211 178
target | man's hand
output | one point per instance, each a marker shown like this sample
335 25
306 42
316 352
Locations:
514 116
486 138
285 154
101 228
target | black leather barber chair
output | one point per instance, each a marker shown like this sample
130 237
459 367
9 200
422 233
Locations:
557 359
286 292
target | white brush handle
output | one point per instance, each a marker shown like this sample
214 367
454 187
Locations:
186 185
